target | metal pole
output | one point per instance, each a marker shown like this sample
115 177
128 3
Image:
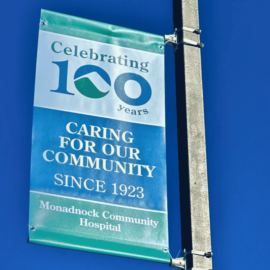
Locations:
194 200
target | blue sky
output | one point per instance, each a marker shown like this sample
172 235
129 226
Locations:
235 67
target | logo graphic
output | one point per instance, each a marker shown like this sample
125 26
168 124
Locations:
87 88
85 85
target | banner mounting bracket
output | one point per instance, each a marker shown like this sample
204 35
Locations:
174 39
181 262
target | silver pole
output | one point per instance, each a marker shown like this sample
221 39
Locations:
194 199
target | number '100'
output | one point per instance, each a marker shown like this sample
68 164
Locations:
89 90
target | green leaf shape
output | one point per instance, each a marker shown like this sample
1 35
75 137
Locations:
88 89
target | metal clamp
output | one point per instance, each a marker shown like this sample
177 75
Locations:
198 269
208 254
173 39
178 263
192 30
181 263
191 42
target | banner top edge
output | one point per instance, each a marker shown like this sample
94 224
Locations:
101 32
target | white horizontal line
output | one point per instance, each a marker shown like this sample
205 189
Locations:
79 199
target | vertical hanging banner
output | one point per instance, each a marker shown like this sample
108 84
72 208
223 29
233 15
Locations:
98 168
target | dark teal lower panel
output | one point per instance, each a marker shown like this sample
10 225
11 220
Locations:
55 223
99 246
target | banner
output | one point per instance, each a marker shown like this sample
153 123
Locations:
98 168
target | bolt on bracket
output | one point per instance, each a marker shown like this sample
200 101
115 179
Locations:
208 254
